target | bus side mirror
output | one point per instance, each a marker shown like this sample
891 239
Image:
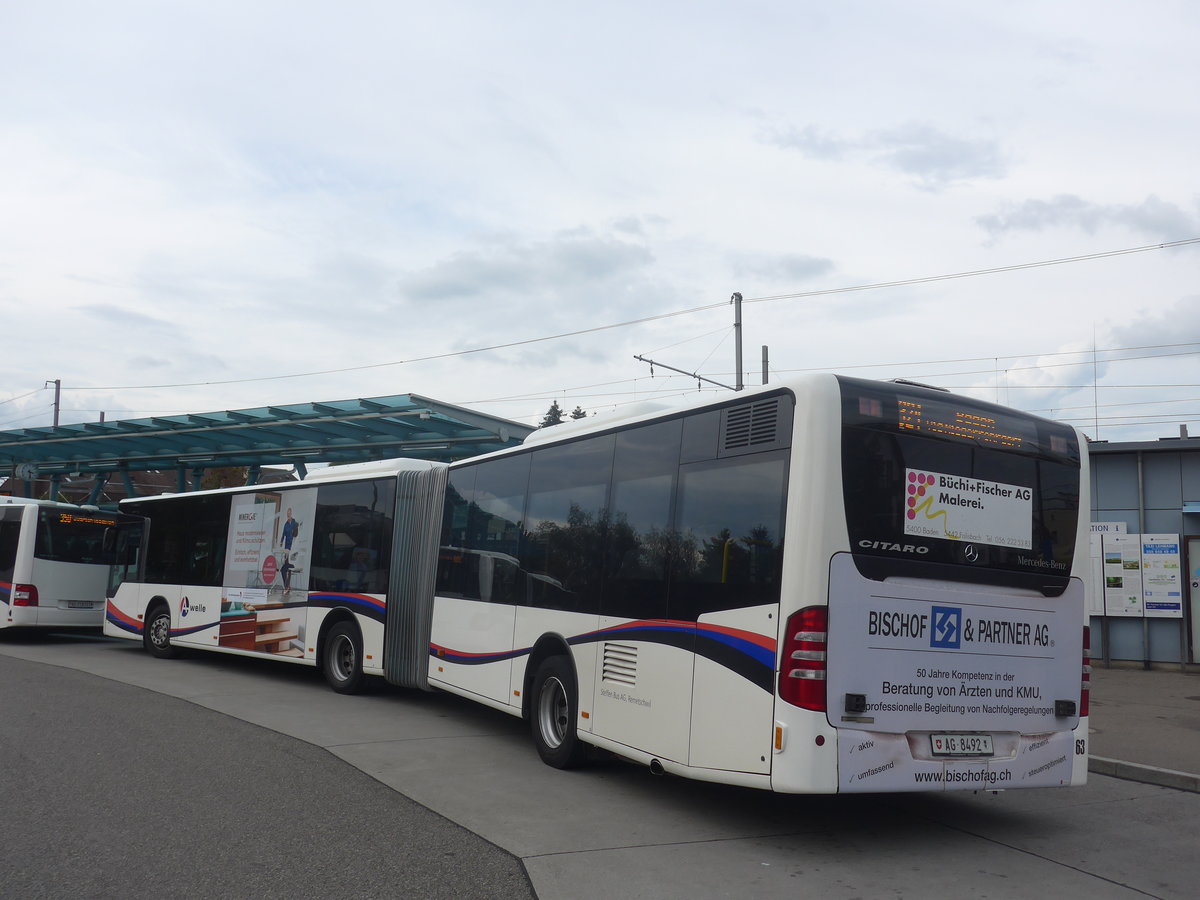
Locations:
110 540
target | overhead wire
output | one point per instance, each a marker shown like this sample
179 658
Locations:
1116 405
23 396
689 340
667 315
40 412
897 365
777 297
929 279
417 359
966 359
715 348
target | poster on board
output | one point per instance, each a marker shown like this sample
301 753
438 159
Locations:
1122 573
1162 583
968 509
270 545
1095 593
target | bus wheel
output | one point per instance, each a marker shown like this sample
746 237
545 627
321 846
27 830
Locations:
553 713
341 660
156 637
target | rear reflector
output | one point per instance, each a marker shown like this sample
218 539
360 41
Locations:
1085 692
802 666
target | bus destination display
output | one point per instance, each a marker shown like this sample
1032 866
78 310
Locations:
945 420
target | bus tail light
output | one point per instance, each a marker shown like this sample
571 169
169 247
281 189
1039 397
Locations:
24 595
802 669
1085 692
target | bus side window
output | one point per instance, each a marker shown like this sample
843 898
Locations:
640 541
730 522
187 540
494 523
455 564
352 536
562 549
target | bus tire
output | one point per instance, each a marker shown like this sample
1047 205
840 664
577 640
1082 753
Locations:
341 659
553 713
156 636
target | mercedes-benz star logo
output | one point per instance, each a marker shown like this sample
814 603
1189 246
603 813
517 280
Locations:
971 553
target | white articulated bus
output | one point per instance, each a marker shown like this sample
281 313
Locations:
828 585
308 573
56 560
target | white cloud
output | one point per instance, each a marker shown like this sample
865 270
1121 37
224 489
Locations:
528 270
1153 217
931 157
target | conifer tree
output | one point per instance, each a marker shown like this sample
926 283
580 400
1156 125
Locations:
553 416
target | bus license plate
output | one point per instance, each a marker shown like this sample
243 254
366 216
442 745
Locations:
79 604
961 744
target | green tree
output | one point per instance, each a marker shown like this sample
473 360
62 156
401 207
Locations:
578 413
553 416
223 477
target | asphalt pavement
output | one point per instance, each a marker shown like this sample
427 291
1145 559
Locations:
1145 725
109 790
196 796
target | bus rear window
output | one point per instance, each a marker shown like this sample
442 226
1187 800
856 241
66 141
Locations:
939 486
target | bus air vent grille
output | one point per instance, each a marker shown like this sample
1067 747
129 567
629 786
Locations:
751 425
620 663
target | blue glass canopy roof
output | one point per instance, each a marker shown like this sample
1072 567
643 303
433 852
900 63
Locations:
336 431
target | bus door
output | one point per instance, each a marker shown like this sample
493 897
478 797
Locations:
124 544
479 582
730 518
643 682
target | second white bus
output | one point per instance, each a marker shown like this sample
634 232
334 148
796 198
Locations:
56 561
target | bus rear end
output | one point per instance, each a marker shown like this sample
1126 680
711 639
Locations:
950 653
55 563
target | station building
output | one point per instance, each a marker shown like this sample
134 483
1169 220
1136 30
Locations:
1146 489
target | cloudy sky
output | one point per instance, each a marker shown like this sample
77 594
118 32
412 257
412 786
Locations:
223 205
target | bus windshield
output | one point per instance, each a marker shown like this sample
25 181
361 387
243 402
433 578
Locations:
938 486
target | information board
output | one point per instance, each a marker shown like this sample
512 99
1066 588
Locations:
1095 594
1162 582
1122 573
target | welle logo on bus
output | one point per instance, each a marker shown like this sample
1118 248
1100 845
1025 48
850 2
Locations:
959 508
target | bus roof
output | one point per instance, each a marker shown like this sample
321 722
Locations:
650 409
382 468
31 501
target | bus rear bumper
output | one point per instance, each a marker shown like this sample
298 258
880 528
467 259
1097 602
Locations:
42 616
876 761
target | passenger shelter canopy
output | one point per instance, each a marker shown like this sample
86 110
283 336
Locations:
405 425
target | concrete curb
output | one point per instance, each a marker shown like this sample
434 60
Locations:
1182 781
